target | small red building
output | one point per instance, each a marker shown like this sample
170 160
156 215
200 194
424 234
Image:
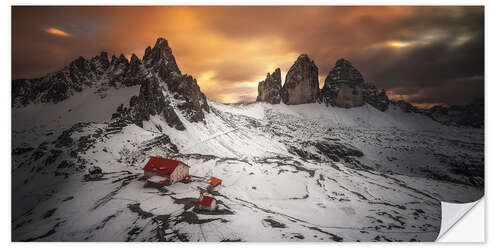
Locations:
214 181
206 202
165 171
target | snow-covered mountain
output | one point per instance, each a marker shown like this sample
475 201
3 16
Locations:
306 172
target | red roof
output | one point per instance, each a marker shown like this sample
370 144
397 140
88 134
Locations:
205 200
214 181
161 166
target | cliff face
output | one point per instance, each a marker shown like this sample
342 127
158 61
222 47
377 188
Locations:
301 83
343 86
270 88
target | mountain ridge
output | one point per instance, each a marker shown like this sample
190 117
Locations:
157 74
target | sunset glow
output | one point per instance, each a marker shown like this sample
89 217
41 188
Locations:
399 44
56 32
230 49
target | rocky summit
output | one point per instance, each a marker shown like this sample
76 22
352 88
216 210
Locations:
269 89
343 86
301 83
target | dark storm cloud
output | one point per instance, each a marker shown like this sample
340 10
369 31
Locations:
426 55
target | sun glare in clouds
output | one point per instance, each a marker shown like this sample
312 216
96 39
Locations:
57 32
398 44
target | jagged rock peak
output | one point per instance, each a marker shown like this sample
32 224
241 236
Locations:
161 52
102 59
161 61
275 75
104 55
123 58
343 86
344 72
135 64
301 82
305 58
134 59
79 63
147 53
162 44
119 60
269 89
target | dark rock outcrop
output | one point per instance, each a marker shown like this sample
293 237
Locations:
471 115
269 89
185 89
301 82
118 67
375 97
190 100
343 86
99 64
134 66
151 101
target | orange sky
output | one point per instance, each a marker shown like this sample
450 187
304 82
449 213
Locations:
230 49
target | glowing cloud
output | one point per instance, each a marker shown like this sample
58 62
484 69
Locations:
57 32
398 44
229 49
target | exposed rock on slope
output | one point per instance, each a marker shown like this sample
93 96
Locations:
301 83
151 101
191 101
375 97
269 89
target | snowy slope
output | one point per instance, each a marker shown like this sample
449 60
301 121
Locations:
290 173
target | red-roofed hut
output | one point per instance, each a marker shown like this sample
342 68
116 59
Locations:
214 181
165 171
206 202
